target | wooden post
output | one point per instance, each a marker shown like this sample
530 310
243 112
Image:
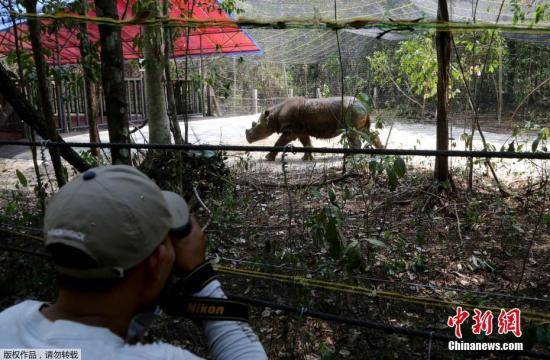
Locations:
443 47
318 93
290 93
255 100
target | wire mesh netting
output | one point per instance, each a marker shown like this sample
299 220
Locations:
367 230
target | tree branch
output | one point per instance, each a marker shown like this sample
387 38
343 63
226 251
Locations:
34 119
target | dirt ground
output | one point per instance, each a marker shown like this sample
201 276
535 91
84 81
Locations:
478 248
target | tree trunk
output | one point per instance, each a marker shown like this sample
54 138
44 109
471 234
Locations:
112 71
92 110
87 56
29 132
168 77
157 116
36 119
443 46
44 104
500 91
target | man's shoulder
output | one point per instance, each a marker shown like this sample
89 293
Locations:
156 351
15 311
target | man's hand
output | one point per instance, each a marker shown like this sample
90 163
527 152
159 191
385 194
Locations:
191 250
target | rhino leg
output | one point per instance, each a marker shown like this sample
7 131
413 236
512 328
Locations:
306 142
281 141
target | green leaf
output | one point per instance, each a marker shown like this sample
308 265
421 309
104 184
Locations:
392 179
21 177
376 242
399 167
363 98
333 239
535 145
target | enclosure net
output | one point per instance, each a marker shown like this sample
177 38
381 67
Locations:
383 52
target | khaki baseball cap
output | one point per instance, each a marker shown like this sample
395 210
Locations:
114 214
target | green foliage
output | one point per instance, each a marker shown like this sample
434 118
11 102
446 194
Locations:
542 137
412 66
22 178
92 160
325 90
326 225
523 12
418 63
231 6
27 64
331 64
393 166
204 170
225 207
17 207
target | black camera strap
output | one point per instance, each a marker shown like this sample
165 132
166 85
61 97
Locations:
197 308
177 300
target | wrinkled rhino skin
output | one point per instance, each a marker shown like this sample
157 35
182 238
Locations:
300 118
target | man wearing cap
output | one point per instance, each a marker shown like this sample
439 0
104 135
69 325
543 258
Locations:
116 240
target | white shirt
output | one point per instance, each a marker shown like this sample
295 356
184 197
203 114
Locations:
24 326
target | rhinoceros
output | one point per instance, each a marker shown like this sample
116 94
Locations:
300 118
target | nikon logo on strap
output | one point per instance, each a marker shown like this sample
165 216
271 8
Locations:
198 308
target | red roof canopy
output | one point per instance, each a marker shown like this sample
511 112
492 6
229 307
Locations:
202 40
